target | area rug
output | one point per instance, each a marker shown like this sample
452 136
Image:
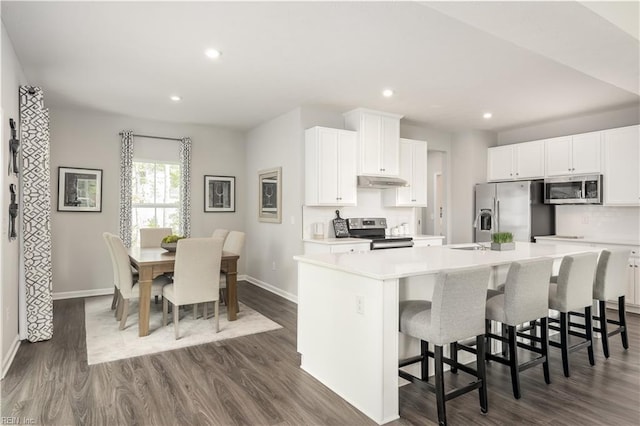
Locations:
106 342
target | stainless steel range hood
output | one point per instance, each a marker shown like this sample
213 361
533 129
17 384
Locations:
380 182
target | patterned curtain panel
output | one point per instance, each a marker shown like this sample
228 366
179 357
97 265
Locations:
126 177
185 187
36 213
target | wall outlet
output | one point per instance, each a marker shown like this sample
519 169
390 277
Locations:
359 305
273 266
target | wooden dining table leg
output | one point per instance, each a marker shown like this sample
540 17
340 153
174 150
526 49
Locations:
144 282
232 289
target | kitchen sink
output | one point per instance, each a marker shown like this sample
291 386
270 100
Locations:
478 247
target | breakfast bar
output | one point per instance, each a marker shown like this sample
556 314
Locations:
348 312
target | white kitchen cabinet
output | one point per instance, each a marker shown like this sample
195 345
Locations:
413 169
330 167
517 161
378 141
427 242
633 285
311 247
576 154
621 170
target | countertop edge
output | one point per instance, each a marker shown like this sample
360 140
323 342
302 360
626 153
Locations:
590 240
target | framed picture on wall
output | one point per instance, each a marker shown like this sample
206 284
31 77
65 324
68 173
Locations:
79 190
219 194
270 195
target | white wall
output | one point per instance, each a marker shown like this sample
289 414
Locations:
570 126
276 143
81 138
12 77
618 223
468 167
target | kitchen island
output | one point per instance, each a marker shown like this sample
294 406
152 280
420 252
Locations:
348 312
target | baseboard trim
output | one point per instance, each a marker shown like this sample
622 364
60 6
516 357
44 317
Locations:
273 289
82 293
6 363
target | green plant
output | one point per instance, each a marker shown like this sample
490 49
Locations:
502 237
172 238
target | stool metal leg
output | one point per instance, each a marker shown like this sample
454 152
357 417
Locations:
623 322
604 334
480 361
513 361
544 346
589 332
453 354
440 397
424 365
564 342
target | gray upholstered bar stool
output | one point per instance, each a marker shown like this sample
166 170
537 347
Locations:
573 293
456 312
525 298
610 284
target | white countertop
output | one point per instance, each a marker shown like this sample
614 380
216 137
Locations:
593 240
350 240
405 262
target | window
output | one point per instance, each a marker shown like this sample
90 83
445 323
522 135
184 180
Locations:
155 196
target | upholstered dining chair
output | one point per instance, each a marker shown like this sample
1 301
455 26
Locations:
196 278
525 299
456 312
128 288
572 291
220 233
232 244
610 284
114 269
152 237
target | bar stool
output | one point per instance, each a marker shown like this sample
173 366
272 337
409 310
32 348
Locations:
525 299
573 292
610 284
456 312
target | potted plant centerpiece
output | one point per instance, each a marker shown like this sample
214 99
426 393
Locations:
170 242
502 241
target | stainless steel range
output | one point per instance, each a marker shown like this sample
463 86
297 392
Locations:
374 229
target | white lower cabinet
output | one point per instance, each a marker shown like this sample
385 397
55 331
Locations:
426 242
311 247
633 285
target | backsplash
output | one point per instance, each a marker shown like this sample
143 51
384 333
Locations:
369 205
598 222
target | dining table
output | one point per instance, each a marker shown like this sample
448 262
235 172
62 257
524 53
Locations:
154 261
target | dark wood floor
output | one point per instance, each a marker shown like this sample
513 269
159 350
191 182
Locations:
256 380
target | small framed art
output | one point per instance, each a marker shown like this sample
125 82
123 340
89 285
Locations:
79 190
219 194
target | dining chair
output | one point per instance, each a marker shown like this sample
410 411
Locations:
196 278
220 233
232 244
152 237
457 312
128 288
114 269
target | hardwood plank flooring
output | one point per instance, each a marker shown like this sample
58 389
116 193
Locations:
256 380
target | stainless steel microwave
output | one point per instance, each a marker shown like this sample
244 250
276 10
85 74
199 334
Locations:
579 189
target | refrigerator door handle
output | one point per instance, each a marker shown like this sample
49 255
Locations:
497 215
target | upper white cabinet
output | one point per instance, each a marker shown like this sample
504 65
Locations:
378 141
577 154
330 167
413 169
621 171
517 161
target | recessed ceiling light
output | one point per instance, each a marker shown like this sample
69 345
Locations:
487 115
176 98
212 53
387 93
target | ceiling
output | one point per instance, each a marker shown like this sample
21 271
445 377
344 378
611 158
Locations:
447 62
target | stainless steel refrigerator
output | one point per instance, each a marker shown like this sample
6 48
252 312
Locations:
516 207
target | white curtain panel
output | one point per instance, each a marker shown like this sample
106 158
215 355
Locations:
36 213
126 177
185 187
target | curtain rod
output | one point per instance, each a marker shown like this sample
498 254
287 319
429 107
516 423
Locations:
154 137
